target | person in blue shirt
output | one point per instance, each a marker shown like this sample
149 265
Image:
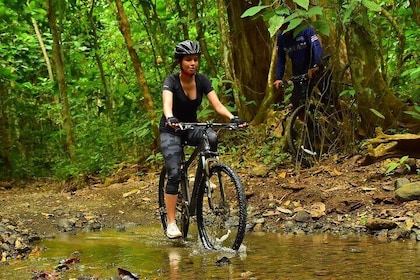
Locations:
305 52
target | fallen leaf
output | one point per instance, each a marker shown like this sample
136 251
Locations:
47 215
283 174
130 193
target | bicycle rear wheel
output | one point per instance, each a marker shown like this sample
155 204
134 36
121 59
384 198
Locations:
182 214
310 134
221 209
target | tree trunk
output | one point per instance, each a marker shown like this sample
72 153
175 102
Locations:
124 27
182 14
226 54
108 102
61 80
270 93
5 142
372 92
252 44
201 39
44 50
156 33
415 6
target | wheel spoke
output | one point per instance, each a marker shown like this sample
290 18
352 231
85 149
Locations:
221 213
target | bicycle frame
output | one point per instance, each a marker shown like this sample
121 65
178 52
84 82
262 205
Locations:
216 196
205 156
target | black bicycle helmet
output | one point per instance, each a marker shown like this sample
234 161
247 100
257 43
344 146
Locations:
185 48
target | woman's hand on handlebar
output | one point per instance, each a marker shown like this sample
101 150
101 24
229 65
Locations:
172 122
241 123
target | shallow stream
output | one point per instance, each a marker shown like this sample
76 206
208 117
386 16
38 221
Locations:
146 252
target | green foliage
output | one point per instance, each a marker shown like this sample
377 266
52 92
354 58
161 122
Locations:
377 113
415 114
393 165
277 15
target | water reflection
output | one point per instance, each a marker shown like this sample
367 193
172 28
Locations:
146 251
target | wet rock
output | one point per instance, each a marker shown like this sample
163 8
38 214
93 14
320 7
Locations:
14 240
66 224
302 216
223 261
401 182
376 224
410 191
416 220
399 233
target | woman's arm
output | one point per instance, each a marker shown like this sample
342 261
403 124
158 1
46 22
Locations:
218 106
167 99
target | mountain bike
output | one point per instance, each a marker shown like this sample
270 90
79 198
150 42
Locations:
315 128
217 199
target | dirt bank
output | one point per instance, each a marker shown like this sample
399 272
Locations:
338 196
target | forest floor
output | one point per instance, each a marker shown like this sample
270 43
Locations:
338 195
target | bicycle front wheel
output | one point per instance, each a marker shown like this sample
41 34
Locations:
182 214
221 209
311 133
300 139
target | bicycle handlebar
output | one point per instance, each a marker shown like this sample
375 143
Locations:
294 79
300 78
187 125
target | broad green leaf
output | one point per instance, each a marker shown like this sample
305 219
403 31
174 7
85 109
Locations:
413 114
274 23
371 5
322 27
403 159
349 11
350 92
391 166
293 24
253 11
378 114
303 3
314 11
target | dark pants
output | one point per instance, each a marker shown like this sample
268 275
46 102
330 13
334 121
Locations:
171 146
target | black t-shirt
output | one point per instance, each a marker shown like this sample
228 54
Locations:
183 108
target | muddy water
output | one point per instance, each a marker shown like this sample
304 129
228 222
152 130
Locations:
146 252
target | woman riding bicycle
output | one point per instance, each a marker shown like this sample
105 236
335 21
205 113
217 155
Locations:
182 94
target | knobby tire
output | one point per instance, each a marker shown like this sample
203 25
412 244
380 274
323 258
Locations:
221 209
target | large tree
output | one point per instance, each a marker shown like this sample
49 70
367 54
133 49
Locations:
251 55
147 102
61 79
372 92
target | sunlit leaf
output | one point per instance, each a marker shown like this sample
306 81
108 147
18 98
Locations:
274 23
378 114
371 5
303 3
314 11
253 11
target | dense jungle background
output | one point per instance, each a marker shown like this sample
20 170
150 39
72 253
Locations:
80 81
